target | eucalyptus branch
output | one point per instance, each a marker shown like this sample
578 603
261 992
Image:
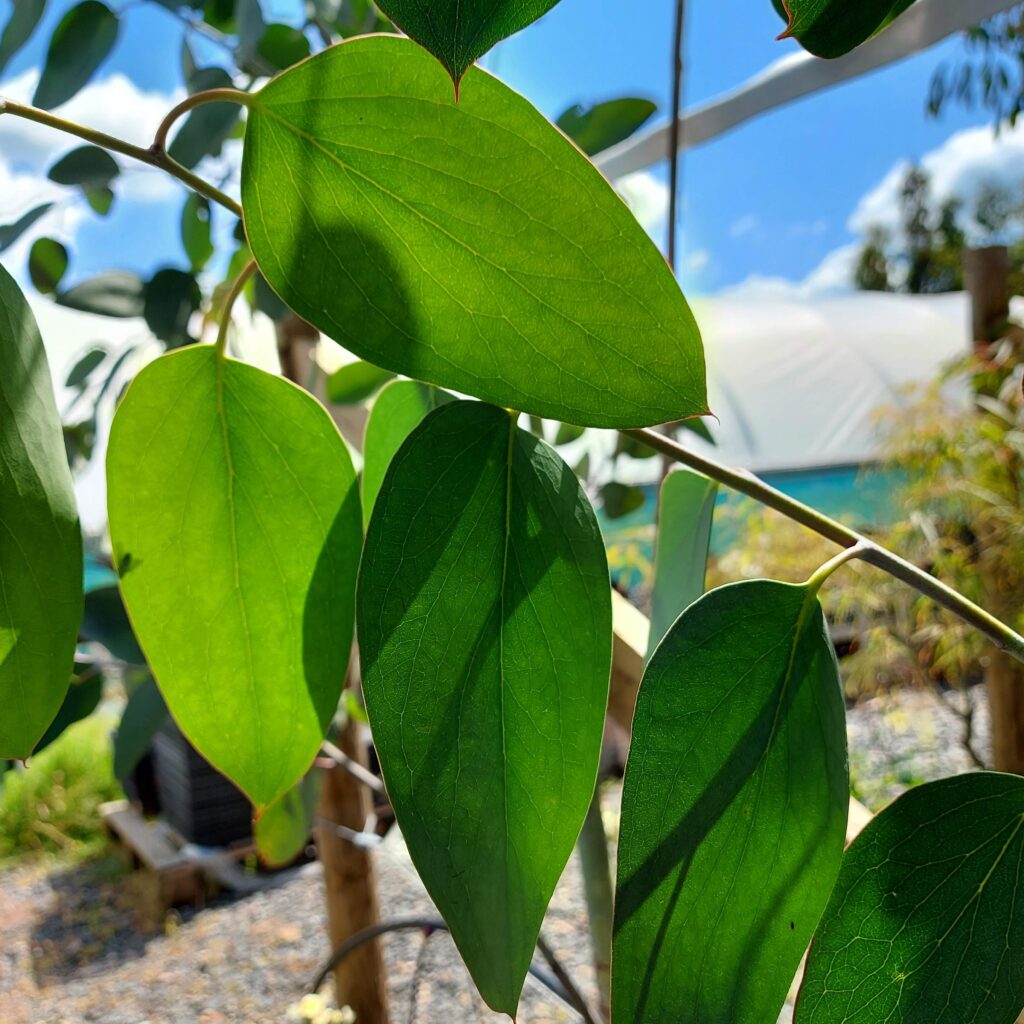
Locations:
866 550
197 99
229 301
155 158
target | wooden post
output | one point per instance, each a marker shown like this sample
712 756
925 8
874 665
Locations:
986 272
351 884
350 879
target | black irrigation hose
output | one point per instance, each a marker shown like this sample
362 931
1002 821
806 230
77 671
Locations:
560 984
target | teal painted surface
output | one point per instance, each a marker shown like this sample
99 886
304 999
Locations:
862 497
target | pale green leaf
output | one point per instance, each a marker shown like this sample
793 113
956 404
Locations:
356 382
470 245
234 517
485 637
282 831
397 411
40 541
686 509
734 810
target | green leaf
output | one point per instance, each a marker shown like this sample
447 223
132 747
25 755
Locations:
484 613
117 293
626 445
100 200
171 297
47 264
10 233
196 231
282 46
105 622
567 433
397 412
458 32
235 522
830 28
283 829
923 926
86 166
83 369
604 125
356 382
141 720
24 18
83 697
686 510
734 809
40 543
207 127
469 245
618 500
79 45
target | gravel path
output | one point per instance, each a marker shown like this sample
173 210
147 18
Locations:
78 944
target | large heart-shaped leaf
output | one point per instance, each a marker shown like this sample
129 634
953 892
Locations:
830 28
234 516
686 511
40 542
80 43
485 637
457 32
734 809
397 412
467 245
924 925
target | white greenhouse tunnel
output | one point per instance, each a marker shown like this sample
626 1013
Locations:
794 384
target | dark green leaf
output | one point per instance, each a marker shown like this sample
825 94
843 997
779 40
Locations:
830 28
47 263
117 293
195 231
686 510
25 16
250 28
79 442
469 245
172 296
582 469
396 413
619 500
356 382
79 45
40 544
265 299
626 445
457 32
485 638
567 433
282 831
282 46
696 426
604 125
923 925
10 233
143 715
100 199
82 370
105 622
734 809
220 14
235 522
207 127
82 699
86 166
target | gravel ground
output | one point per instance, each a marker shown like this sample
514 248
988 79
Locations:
79 945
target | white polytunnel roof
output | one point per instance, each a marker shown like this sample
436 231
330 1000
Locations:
799 384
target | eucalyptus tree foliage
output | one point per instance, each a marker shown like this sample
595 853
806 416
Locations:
464 245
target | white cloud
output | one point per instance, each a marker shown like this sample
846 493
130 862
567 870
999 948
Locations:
647 197
745 225
960 167
833 276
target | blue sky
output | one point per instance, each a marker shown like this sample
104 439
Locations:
772 199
